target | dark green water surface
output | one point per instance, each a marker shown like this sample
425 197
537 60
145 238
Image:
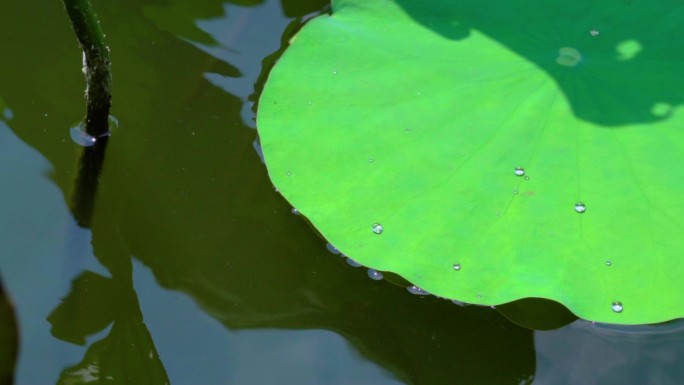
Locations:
194 270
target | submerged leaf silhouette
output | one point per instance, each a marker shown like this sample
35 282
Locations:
127 355
529 143
9 339
88 308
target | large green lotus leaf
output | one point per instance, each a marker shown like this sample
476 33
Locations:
415 115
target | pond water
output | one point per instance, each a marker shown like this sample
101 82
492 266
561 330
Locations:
194 270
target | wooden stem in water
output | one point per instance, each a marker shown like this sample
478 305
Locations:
97 70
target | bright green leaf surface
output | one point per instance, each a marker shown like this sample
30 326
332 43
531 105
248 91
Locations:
415 114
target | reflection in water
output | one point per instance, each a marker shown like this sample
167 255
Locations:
87 180
184 194
127 354
597 354
242 47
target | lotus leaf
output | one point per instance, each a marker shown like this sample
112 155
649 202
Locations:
491 151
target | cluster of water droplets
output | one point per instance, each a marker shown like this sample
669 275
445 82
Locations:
377 228
580 207
378 276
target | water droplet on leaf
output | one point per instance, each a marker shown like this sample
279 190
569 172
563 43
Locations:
375 275
580 207
332 249
457 266
519 171
377 228
568 57
608 263
416 290
353 263
594 32
617 307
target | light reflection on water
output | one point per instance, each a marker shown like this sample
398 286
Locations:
591 354
243 47
262 356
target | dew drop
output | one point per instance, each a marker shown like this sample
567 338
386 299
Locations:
609 263
295 211
332 249
288 172
594 32
515 191
580 207
377 228
416 290
527 177
353 263
375 275
456 266
519 171
568 57
617 307
371 160
334 72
